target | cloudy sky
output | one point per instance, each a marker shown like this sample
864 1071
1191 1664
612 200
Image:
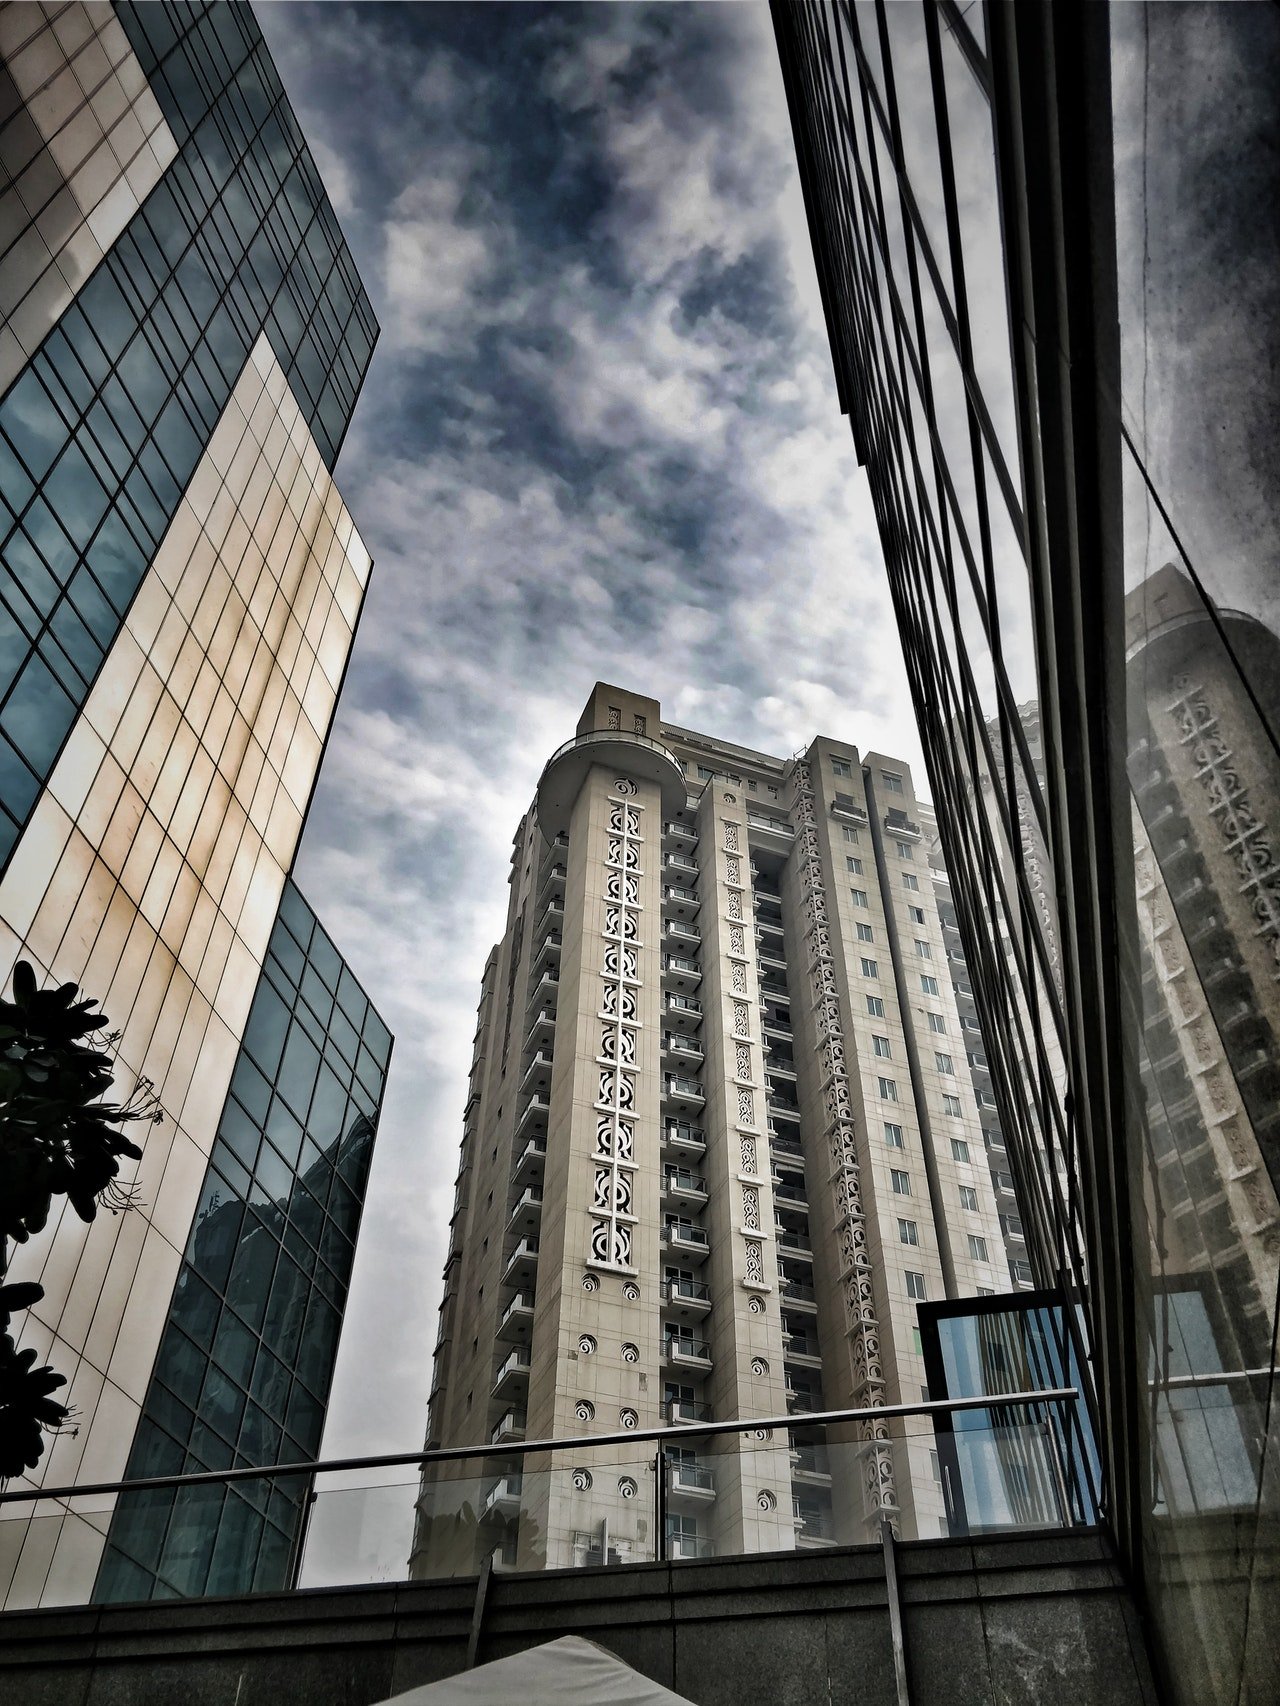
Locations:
600 438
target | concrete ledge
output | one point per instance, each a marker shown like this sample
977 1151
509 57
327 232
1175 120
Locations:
1040 1618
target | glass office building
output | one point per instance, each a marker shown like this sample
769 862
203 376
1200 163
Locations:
1051 291
184 336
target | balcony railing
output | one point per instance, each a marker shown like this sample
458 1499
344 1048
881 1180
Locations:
689 1088
681 1135
675 1042
684 1232
510 1427
677 892
678 927
677 1179
684 1003
684 1290
681 966
684 831
680 1348
692 1477
680 862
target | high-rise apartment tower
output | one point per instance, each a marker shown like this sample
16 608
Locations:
721 1138
184 338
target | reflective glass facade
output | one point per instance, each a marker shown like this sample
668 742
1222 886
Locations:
243 1371
182 335
102 430
1054 311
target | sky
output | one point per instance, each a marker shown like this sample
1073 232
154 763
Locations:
599 439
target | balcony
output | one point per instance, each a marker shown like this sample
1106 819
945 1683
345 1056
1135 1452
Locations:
678 1089
814 1528
684 1351
898 823
680 1412
781 1110
537 1108
772 961
785 1146
685 1006
633 755
513 1373
794 1243
546 988
680 862
768 929
553 883
548 954
686 1240
780 1066
509 1429
809 1463
522 1263
687 1296
526 1211
804 1400
677 968
686 1138
517 1318
798 1294
847 809
542 1028
681 831
683 1186
679 930
674 1043
552 915
538 1070
785 1192
503 1499
529 1163
776 827
679 902
690 1546
692 1482
802 1350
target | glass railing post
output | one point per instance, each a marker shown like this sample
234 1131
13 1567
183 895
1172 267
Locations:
660 1503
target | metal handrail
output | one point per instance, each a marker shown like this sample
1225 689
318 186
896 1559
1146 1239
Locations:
678 1436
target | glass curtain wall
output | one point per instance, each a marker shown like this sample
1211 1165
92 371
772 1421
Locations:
103 430
243 1372
1052 295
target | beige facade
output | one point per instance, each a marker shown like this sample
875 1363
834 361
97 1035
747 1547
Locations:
720 1141
151 874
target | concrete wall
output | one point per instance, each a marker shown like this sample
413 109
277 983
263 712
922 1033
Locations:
1041 1619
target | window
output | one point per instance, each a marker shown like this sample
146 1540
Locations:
910 881
905 850
866 933
915 1285
977 1247
900 1181
859 896
875 1005
852 864
892 781
908 1232
929 985
841 767
705 775
883 1047
951 1105
937 1024
959 1150
893 1136
917 914
969 1198
850 833
986 1291
944 1063
923 950
870 968
888 1090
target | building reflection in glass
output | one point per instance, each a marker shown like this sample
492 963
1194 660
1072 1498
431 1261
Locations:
244 1368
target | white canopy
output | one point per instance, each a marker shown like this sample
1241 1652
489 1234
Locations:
568 1672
